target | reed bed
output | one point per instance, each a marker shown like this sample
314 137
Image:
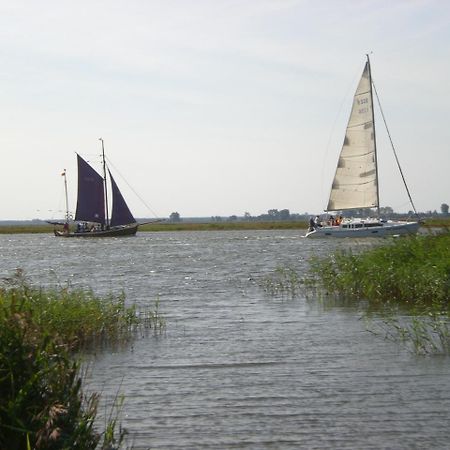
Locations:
408 279
42 402
413 270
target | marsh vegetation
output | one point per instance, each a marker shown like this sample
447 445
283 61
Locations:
41 333
405 280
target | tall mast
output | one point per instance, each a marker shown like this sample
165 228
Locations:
106 184
67 197
374 136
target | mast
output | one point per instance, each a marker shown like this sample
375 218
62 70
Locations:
105 183
67 197
374 135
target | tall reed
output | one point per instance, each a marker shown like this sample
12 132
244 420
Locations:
409 280
413 270
42 404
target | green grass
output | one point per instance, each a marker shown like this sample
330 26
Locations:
42 402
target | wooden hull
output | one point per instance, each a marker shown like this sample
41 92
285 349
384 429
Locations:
381 230
128 230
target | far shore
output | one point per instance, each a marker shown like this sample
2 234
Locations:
201 226
172 226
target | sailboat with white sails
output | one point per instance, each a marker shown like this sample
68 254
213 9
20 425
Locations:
355 184
92 213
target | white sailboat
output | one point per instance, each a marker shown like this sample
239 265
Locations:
355 183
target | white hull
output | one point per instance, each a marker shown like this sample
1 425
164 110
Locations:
360 230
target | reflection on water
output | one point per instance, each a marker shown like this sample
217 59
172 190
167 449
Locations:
236 368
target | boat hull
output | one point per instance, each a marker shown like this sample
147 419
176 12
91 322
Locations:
382 230
129 230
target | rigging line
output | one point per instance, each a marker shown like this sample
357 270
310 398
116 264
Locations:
131 187
393 149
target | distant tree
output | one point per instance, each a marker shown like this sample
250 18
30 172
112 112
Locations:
364 212
386 211
247 216
232 218
444 209
216 219
273 213
175 217
284 214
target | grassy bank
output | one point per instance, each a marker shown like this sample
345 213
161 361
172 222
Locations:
42 402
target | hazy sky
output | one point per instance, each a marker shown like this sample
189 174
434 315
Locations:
217 107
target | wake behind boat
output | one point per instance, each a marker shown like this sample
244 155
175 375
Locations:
92 215
355 184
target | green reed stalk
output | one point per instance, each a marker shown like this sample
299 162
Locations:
42 404
408 277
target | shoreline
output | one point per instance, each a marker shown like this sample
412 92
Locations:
204 226
171 226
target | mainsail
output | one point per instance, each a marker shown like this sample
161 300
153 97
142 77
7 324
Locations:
355 183
91 205
91 195
121 214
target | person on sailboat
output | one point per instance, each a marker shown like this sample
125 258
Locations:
312 225
317 222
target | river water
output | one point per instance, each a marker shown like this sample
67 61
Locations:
235 367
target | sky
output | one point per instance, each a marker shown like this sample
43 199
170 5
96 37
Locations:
215 108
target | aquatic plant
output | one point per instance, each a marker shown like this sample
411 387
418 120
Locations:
413 270
407 280
423 332
77 317
42 402
283 282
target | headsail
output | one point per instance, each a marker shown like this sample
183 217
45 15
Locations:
121 214
355 183
91 197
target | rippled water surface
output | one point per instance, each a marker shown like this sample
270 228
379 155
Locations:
237 368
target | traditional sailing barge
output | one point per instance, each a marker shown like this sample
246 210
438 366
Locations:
91 215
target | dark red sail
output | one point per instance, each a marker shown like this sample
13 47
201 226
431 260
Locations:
91 196
121 214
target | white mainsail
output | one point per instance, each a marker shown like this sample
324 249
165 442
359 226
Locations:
355 183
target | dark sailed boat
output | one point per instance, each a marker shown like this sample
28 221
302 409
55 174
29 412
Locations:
91 215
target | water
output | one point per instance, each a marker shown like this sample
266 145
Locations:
237 369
